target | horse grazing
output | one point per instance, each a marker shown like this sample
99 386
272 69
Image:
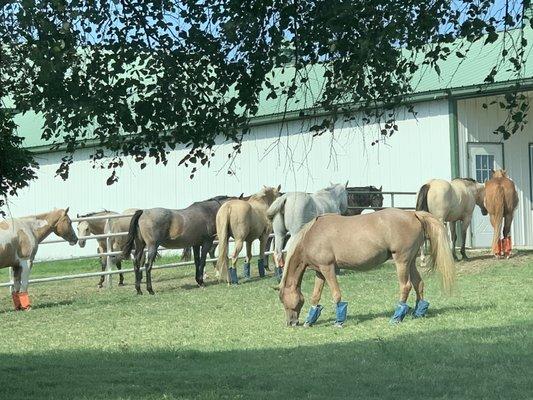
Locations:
19 240
101 226
501 199
359 243
193 226
245 221
361 200
290 212
451 202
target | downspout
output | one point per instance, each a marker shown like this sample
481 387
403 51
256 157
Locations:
454 135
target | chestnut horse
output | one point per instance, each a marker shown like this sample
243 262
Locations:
359 243
19 240
501 200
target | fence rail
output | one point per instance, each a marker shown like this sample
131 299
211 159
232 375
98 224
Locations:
392 199
109 255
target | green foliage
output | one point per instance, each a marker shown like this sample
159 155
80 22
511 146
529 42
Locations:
80 342
17 166
143 77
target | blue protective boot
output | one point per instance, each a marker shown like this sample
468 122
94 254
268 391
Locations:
246 267
261 267
312 316
399 314
233 280
421 309
340 313
279 273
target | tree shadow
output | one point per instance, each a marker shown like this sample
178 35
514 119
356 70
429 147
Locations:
486 363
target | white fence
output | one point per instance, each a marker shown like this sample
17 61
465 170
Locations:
109 271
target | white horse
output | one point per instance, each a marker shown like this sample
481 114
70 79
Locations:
19 240
451 202
290 212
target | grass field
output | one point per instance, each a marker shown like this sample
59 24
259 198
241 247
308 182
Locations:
80 342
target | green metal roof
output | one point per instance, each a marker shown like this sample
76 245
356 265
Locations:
463 76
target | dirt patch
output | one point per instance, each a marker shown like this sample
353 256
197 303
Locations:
483 259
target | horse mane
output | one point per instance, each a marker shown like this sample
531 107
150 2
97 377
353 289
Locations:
465 180
92 214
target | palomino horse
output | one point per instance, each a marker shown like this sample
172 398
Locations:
193 226
501 200
245 221
99 227
290 212
357 201
451 202
362 242
19 240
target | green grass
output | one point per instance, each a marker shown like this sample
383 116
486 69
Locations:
80 342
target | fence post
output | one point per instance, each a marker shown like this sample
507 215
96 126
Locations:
392 199
109 262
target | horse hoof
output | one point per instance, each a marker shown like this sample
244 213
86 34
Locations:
139 292
151 292
338 325
307 325
121 283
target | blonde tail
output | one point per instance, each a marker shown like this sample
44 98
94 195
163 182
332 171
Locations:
222 222
441 253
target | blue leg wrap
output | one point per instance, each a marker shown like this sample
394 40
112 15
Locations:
399 314
233 276
340 313
312 316
421 309
246 270
279 273
261 267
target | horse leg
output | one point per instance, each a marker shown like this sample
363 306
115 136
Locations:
198 277
103 266
402 270
316 309
232 271
328 271
121 276
248 260
507 245
137 262
15 289
206 247
24 299
212 256
453 233
496 243
262 262
422 305
464 228
150 258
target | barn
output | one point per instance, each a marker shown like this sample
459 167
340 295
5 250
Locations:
451 135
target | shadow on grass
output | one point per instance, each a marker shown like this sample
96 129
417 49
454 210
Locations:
486 363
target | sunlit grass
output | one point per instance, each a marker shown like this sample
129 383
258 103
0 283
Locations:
231 342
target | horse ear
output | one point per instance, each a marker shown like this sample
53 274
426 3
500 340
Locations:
66 211
279 187
380 188
241 196
77 215
346 184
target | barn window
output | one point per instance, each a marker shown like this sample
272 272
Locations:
484 167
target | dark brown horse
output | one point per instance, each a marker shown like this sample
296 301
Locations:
358 199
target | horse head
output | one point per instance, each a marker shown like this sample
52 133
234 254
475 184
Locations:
83 230
376 199
293 301
63 227
480 198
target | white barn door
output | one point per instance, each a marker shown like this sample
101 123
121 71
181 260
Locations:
482 159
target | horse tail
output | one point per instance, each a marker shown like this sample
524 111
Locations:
294 252
222 222
277 206
132 233
441 253
186 254
422 199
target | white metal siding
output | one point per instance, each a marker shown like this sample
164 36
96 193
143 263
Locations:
418 152
476 124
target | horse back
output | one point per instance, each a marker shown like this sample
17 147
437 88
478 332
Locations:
17 242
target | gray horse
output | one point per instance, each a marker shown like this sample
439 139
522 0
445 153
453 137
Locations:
193 226
290 212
